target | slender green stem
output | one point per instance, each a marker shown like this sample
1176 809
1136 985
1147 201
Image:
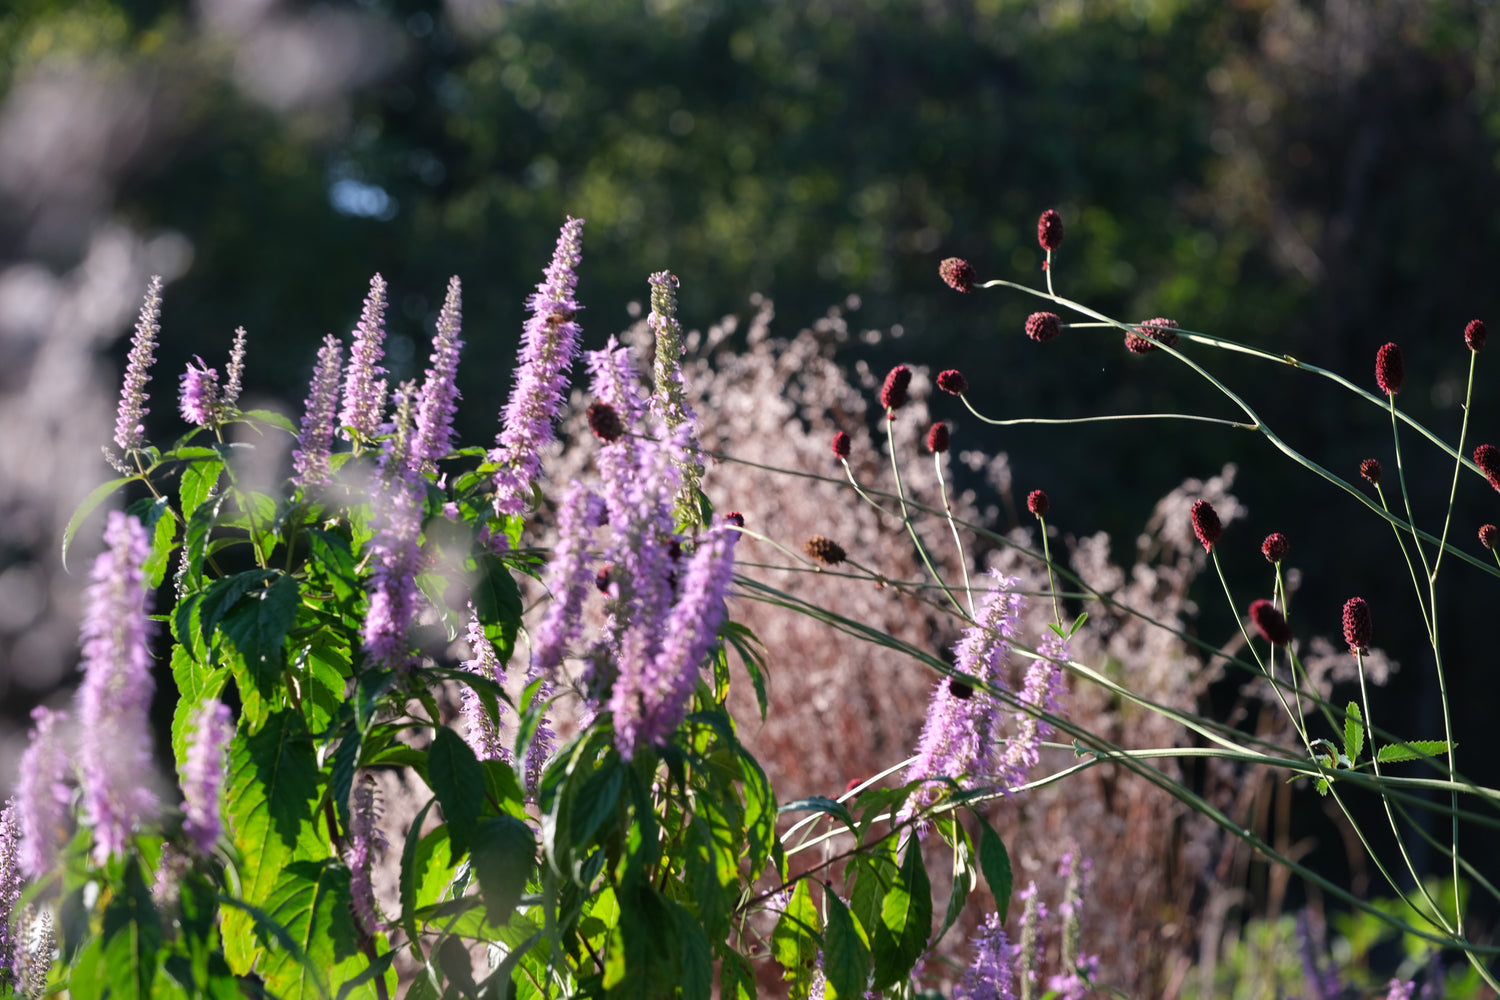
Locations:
958 542
906 520
1458 465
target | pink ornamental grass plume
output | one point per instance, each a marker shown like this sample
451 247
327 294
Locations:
203 774
130 423
364 388
439 398
549 346
314 443
114 702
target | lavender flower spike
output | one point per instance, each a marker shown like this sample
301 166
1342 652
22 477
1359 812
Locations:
671 398
11 951
199 400
439 398
203 774
1039 694
234 372
364 389
570 576
130 423
41 797
114 702
483 735
310 460
396 552
365 841
648 703
990 975
548 346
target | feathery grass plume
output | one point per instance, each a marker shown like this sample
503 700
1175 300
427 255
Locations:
1038 503
203 774
669 400
310 460
1146 336
1475 335
549 345
1390 371
952 381
1488 535
649 700
1043 326
961 735
1049 230
959 274
938 438
825 550
1358 627
114 701
1370 471
480 732
840 445
439 398
893 392
199 399
1275 547
1270 621
234 372
130 421
990 975
364 389
11 880
396 552
1206 524
42 797
365 841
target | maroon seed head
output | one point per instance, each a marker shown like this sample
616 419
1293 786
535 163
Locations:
1370 470
1275 546
824 550
1389 370
604 421
1357 625
959 274
937 438
960 690
1489 535
1270 622
1043 326
1475 334
1487 457
1038 503
1206 524
735 518
1049 230
953 381
893 393
841 444
1150 333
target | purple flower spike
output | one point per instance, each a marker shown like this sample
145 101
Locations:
1040 693
366 840
199 400
203 774
396 552
570 576
364 389
310 460
434 440
130 423
483 735
990 975
11 947
549 345
114 702
42 797
234 372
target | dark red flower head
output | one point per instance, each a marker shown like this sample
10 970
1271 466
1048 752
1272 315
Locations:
1043 326
841 444
1161 330
1275 546
1271 623
601 578
735 518
1357 625
1475 334
958 273
1038 503
824 550
604 421
953 381
960 690
1049 230
937 438
1206 524
893 393
1487 457
1389 370
1489 535
1370 470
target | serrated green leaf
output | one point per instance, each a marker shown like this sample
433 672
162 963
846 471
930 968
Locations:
905 920
410 874
313 901
131 937
1354 733
341 779
504 857
196 683
994 861
89 504
736 977
794 942
597 800
965 877
694 956
163 542
1396 753
198 482
223 594
846 954
821 804
330 553
197 535
257 626
454 775
271 417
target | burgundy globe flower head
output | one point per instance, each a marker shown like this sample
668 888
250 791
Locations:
937 438
1274 548
959 274
1206 524
604 421
1488 536
1038 503
953 381
841 444
824 550
1370 470
1357 625
1487 457
1043 326
1389 370
1271 623
1475 334
893 393
735 518
1150 333
960 690
1049 230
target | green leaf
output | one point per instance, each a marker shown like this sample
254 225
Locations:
504 857
271 417
411 872
131 935
196 683
1396 753
90 503
736 977
497 604
965 876
794 942
745 642
694 956
846 955
197 535
597 800
456 778
341 780
905 920
330 553
257 626
1354 733
822 804
198 481
161 521
994 861
223 594
313 901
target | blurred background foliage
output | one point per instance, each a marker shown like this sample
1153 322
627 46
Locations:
1311 178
